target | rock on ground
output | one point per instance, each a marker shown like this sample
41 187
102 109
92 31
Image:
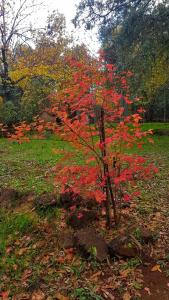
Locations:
123 246
88 241
67 240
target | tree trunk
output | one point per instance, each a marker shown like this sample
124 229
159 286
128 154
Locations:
108 186
5 75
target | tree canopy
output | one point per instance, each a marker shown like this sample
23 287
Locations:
135 37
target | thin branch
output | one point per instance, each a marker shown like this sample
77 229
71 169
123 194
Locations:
84 141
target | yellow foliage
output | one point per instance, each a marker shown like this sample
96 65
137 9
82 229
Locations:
47 61
1 101
159 75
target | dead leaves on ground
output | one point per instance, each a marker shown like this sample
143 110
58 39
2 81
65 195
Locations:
38 295
61 297
126 296
66 256
156 268
147 290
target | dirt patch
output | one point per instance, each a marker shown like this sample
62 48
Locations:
156 285
9 198
13 200
45 200
26 205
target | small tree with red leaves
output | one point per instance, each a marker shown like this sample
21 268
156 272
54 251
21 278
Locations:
95 116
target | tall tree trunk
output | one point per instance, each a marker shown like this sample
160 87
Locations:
4 53
5 74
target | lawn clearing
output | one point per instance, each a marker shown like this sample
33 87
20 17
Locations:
23 166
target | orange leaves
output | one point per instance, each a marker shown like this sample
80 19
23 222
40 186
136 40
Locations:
156 268
99 196
38 295
61 297
67 256
126 296
20 133
40 128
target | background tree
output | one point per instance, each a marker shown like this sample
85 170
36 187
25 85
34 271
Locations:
99 12
141 44
135 36
40 68
14 28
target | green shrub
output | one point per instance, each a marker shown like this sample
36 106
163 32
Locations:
9 113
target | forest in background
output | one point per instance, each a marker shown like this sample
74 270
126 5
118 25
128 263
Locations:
135 36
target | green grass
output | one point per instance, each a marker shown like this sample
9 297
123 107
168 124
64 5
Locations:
155 125
16 248
38 150
85 294
23 166
12 225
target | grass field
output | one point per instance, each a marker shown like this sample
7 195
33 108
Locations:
23 166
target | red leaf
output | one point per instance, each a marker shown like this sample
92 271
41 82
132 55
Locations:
5 295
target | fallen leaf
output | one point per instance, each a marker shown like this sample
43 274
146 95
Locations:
45 259
26 274
22 251
114 285
38 295
157 214
69 250
62 225
156 268
22 296
61 259
147 290
95 276
61 297
69 257
125 273
126 296
4 295
107 295
8 250
15 267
